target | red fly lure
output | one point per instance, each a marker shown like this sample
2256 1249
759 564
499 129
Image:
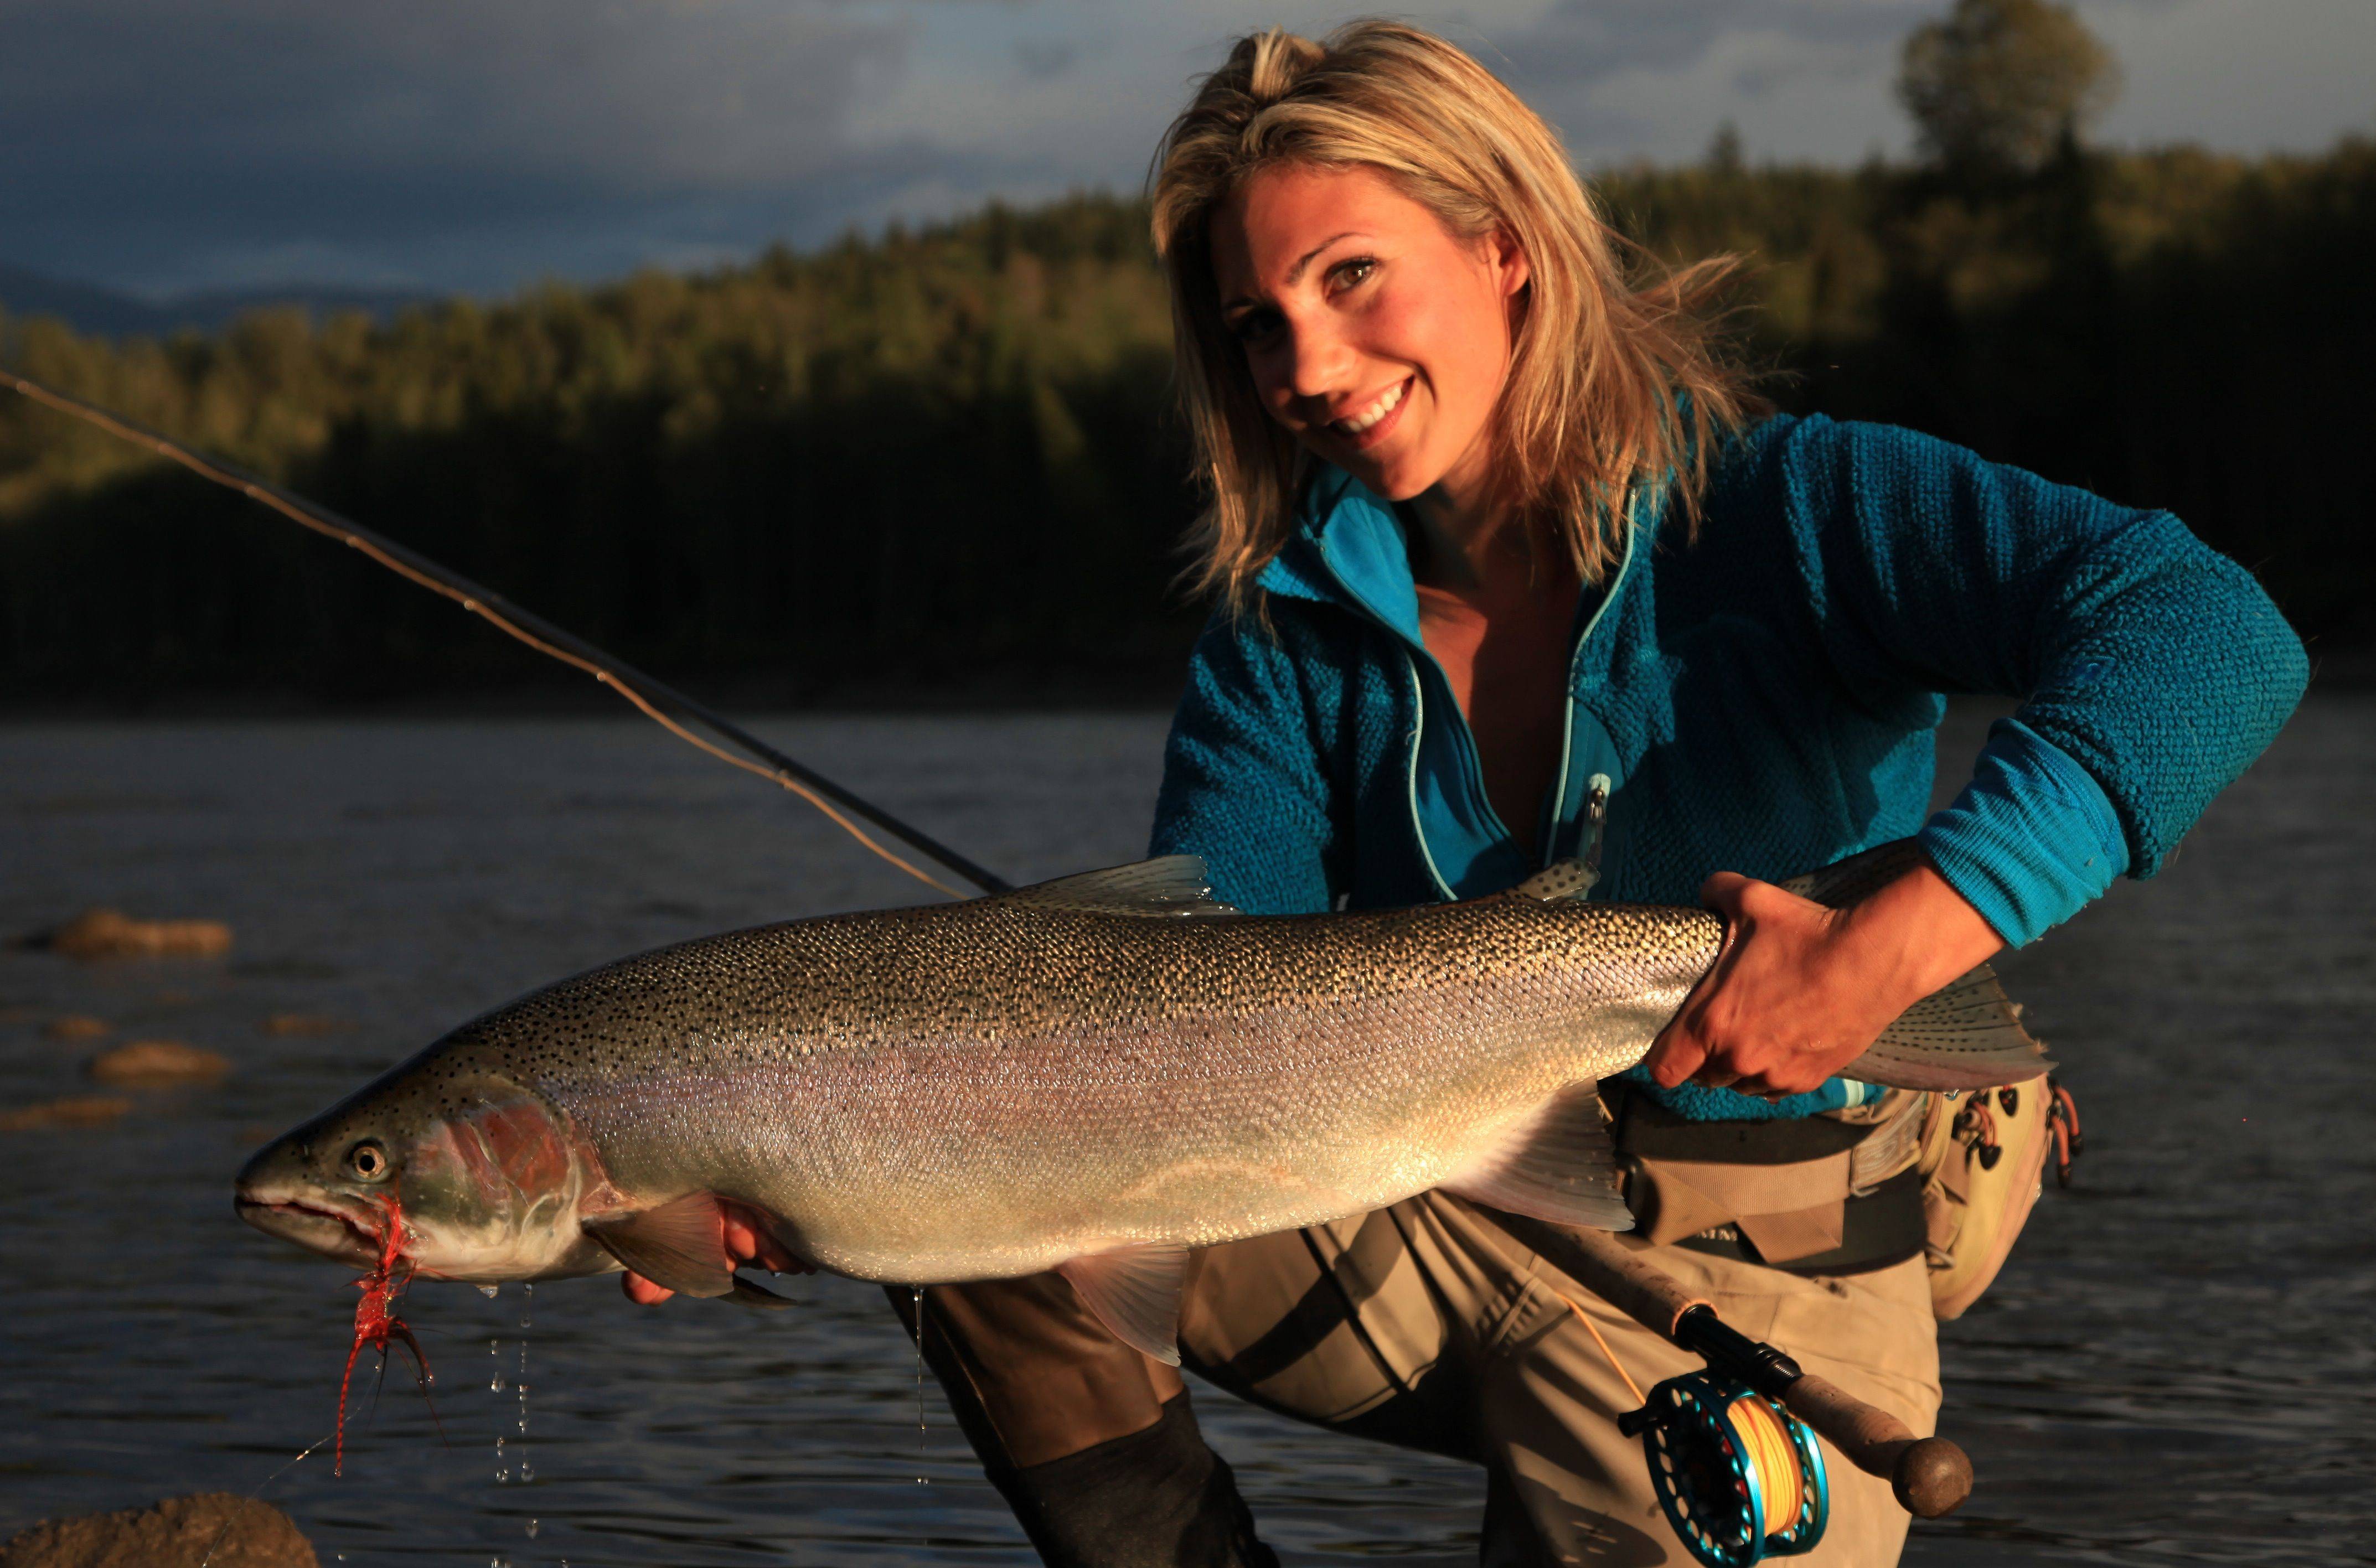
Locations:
376 1325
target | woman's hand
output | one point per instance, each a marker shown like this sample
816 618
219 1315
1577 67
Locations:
746 1242
1799 991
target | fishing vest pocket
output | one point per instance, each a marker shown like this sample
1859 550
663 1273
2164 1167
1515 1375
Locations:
1982 1164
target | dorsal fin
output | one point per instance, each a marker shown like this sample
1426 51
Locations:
1562 880
1168 884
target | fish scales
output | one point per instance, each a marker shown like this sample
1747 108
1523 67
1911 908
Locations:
1095 1075
1009 1088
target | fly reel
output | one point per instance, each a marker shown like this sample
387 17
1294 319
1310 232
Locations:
1739 1477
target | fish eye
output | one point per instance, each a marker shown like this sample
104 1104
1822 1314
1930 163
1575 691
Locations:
367 1161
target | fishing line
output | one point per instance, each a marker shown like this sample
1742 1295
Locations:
651 697
258 1493
1738 1477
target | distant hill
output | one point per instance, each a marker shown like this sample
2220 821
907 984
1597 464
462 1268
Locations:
107 313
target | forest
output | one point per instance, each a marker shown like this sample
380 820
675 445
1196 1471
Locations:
940 464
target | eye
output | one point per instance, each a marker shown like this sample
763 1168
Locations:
1351 271
1254 325
367 1161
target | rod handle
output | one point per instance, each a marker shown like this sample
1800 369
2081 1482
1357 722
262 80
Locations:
1931 1475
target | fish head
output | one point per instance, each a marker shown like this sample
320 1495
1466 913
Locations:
472 1175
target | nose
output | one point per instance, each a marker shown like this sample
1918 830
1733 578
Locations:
1318 362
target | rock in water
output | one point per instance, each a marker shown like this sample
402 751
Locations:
112 934
151 1062
177 1533
81 1111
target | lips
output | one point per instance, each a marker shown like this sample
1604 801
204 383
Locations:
326 1230
1370 422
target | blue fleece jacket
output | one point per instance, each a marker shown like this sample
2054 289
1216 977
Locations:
1759 699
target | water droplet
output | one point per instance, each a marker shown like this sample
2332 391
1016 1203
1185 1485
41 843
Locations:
499 1445
489 1292
531 1523
495 1383
527 1473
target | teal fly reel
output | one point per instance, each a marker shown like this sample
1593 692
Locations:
1739 1477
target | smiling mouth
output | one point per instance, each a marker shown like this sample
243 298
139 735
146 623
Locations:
1369 425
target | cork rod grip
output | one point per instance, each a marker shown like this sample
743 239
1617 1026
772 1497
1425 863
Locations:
1931 1475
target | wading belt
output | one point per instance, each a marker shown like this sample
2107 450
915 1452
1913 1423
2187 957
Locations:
1819 1194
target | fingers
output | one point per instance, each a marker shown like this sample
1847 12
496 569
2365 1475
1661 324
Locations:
748 1241
643 1292
1758 1020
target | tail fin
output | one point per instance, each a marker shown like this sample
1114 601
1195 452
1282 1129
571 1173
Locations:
1964 1036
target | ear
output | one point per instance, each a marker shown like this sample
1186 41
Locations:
1507 258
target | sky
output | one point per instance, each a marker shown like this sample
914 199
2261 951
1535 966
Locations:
165 146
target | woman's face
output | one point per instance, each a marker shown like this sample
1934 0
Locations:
1375 336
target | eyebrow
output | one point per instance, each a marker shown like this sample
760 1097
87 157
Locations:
1296 270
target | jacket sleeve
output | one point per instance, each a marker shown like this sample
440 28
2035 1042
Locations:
1243 782
2152 670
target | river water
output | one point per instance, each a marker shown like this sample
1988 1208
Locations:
2176 1367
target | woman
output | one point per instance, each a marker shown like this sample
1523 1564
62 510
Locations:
1510 569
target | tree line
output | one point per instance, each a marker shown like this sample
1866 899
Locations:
945 456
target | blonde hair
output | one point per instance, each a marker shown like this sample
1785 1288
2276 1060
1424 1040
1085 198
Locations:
1594 411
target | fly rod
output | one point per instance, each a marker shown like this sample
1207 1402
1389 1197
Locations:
1700 1448
663 704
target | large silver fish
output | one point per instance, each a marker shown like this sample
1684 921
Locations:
1094 1075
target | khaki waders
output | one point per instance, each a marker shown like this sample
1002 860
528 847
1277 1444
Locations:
1426 1324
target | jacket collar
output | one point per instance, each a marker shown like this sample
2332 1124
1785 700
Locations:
1348 548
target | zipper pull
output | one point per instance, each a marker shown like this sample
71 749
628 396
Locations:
1595 818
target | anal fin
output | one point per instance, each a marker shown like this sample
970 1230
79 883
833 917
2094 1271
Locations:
1557 1164
680 1244
1135 1291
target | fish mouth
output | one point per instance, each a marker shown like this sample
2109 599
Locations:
332 1233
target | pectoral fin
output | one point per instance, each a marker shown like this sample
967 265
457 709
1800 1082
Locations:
1557 1164
680 1244
1135 1291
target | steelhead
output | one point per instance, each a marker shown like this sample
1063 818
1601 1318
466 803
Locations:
1093 1076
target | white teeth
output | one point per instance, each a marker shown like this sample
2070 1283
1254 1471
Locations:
1374 413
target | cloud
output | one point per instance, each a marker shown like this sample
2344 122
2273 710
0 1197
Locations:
164 143
274 126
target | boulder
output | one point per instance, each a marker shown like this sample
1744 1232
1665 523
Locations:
112 934
301 1024
180 1532
86 1110
155 1062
